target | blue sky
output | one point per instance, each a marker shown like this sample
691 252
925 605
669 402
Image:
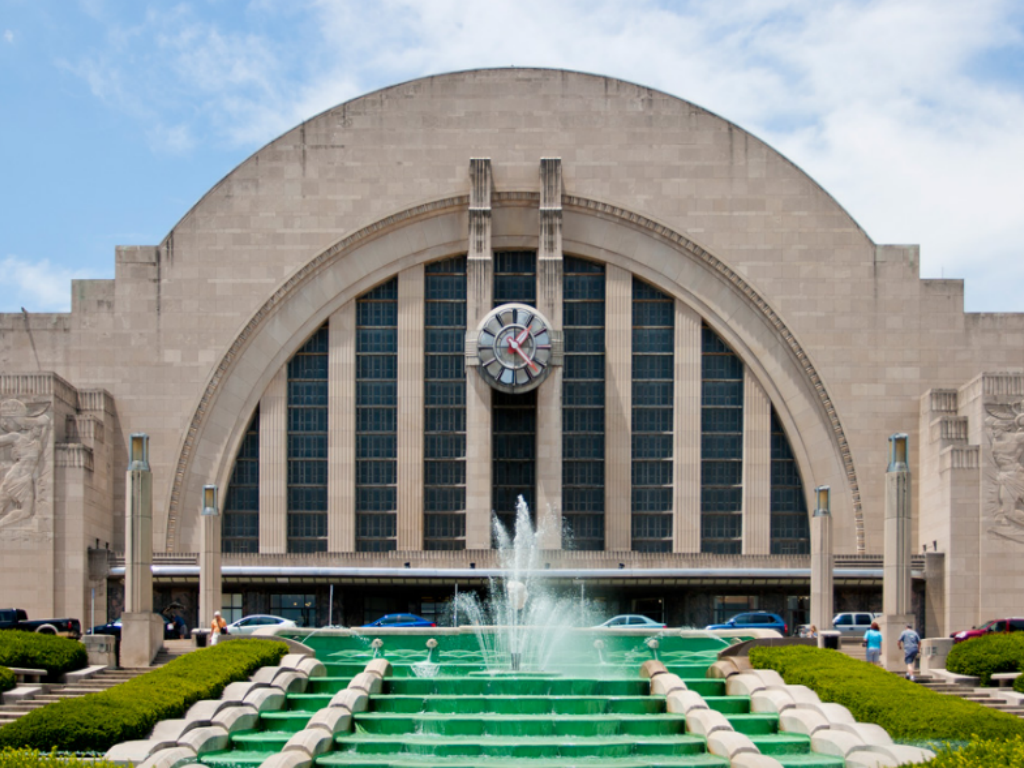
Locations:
116 116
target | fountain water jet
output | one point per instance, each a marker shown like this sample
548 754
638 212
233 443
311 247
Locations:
522 623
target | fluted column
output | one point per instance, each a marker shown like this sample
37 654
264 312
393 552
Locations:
411 336
549 396
274 465
618 408
341 425
757 467
686 431
479 297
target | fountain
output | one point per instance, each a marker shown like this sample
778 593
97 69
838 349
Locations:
521 624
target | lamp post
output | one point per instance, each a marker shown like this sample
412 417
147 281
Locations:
821 559
209 557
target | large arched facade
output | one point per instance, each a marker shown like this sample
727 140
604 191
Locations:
722 338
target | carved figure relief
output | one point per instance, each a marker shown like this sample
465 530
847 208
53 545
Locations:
24 439
1005 508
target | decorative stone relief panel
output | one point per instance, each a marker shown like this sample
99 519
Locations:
1004 472
26 468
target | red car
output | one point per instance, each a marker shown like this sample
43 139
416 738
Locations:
996 625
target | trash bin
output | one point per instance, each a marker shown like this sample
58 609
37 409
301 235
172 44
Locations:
199 635
830 640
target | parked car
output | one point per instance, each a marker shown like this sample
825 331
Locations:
631 621
754 620
401 620
16 618
992 627
172 631
853 624
249 624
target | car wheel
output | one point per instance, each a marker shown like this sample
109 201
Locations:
46 629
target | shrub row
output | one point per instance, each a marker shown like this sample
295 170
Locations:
7 680
56 655
982 753
30 758
906 710
96 722
984 656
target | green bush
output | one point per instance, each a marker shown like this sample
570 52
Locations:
1018 684
7 679
979 753
96 722
56 655
984 656
906 710
30 758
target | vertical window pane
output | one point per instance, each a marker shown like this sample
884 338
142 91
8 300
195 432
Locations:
583 297
721 491
653 414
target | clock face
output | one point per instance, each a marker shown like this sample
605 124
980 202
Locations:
514 348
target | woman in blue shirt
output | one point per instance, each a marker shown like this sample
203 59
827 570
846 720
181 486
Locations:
873 641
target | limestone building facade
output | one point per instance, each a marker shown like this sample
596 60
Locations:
388 323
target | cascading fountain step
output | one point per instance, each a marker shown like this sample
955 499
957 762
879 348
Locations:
356 760
483 685
541 747
437 724
330 684
237 758
519 705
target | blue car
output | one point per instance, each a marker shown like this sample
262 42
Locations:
754 620
401 620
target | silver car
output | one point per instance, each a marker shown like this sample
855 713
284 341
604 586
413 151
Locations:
854 624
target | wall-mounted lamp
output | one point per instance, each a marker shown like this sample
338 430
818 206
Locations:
210 500
138 452
622 565
899 452
472 565
823 498
407 565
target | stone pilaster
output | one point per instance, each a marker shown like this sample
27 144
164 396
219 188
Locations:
549 396
686 431
341 420
274 465
411 337
479 296
757 467
618 408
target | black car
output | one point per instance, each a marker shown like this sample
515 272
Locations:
172 629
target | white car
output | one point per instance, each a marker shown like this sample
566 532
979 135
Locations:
249 624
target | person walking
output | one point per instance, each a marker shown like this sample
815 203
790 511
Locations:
873 643
218 627
910 644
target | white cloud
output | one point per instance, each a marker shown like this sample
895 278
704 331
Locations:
8 36
39 285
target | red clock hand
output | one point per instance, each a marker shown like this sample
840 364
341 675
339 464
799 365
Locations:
519 351
522 336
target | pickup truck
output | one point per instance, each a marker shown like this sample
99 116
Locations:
15 618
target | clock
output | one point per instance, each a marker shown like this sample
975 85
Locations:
515 348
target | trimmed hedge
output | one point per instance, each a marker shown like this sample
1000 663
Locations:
984 656
56 655
7 680
906 710
30 758
98 721
987 753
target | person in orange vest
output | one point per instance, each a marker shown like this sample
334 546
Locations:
218 627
